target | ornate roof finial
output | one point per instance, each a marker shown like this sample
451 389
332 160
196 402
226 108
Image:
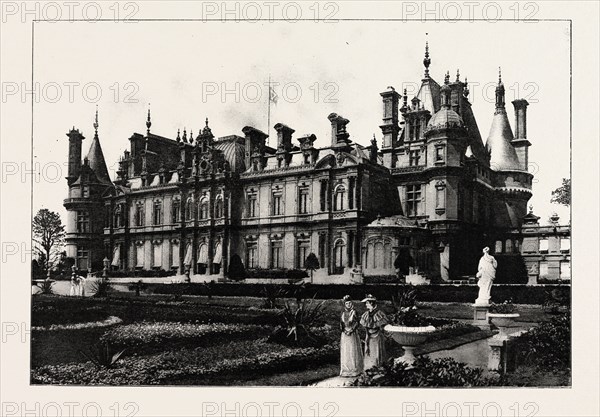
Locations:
426 60
206 130
185 135
531 209
96 123
207 122
457 75
466 90
447 77
148 122
178 136
499 75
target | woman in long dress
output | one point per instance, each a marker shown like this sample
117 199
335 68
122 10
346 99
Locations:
351 358
374 320
73 289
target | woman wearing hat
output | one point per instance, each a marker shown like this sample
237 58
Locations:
351 358
373 320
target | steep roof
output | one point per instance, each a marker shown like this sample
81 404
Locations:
429 95
97 162
502 154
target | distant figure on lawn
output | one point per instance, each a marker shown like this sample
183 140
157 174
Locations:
351 357
486 274
373 320
74 285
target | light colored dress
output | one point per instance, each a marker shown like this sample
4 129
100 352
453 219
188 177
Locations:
73 289
351 357
373 322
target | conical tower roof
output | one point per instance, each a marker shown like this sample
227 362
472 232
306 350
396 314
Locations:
502 154
95 157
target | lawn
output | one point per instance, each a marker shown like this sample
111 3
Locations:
192 340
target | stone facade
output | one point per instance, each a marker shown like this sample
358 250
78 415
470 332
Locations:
428 200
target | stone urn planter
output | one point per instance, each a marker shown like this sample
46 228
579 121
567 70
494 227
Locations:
504 322
409 338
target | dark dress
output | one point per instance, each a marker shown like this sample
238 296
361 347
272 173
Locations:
373 322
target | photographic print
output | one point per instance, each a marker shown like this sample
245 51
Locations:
373 206
334 203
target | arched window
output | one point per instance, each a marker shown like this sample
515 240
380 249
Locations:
339 198
202 258
175 211
203 209
508 246
338 256
498 246
118 216
189 209
219 212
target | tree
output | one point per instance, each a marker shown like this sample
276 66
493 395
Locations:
311 263
236 272
49 235
562 195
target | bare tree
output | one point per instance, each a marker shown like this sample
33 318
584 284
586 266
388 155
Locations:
48 235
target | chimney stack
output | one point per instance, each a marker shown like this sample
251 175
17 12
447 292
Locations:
339 135
74 169
520 118
520 142
284 136
255 147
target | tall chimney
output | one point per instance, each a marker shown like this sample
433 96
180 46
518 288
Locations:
255 146
74 169
339 134
284 136
520 118
520 142
390 127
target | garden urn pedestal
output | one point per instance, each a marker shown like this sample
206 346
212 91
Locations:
480 316
504 322
409 338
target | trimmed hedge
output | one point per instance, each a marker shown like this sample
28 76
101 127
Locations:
276 273
520 294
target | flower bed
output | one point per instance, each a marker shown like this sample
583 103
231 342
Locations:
156 334
46 315
111 321
189 365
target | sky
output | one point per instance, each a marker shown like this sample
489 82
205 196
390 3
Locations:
188 71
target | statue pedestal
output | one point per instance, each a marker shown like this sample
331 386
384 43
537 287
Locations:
497 354
480 316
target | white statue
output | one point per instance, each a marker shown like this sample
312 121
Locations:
486 274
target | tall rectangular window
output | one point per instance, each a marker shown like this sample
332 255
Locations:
543 269
176 211
303 200
413 199
302 253
251 255
543 244
439 154
277 209
83 221
139 215
82 259
157 255
157 213
414 157
174 254
251 205
565 244
565 270
323 194
276 254
322 248
351 191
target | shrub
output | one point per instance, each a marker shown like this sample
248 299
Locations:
444 372
547 346
45 286
289 274
237 272
312 264
101 287
272 293
299 323
137 287
103 355
382 279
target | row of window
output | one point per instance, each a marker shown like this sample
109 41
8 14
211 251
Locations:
202 209
510 246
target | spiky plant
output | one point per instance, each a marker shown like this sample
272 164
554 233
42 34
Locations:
102 355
